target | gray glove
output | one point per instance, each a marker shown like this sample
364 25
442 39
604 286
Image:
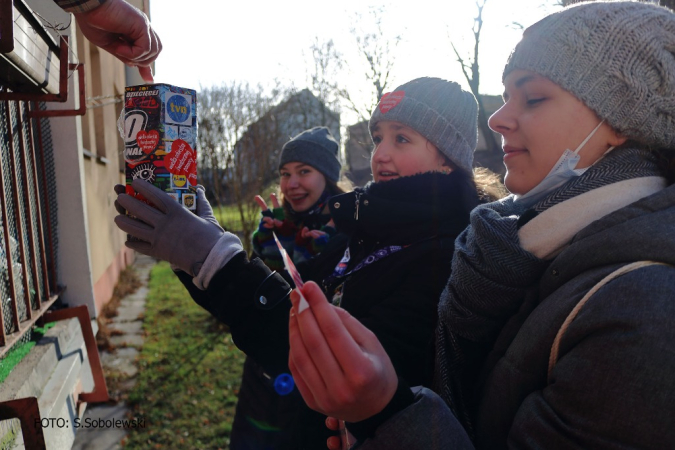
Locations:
170 232
204 209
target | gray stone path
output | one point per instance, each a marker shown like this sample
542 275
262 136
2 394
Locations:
129 321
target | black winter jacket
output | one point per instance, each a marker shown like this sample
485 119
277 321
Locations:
396 297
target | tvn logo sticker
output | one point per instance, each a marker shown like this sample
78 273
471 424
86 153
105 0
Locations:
178 109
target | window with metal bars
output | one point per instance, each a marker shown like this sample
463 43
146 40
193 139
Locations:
28 242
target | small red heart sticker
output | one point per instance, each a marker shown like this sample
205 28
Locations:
147 140
130 191
390 100
182 161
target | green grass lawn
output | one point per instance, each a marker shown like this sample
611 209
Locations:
229 217
189 372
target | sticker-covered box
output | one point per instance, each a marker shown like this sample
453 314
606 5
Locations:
160 136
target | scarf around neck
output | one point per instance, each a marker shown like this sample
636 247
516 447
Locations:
313 216
491 271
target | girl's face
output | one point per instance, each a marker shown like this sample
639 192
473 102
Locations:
301 184
538 122
401 151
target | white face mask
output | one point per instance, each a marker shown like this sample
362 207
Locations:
563 171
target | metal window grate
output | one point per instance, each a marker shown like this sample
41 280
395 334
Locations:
44 156
28 206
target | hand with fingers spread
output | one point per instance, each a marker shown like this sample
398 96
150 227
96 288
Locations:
168 231
272 218
338 365
124 31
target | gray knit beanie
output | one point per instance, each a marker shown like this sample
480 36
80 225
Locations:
616 57
439 110
315 147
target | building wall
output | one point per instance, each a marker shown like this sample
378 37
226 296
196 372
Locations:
103 165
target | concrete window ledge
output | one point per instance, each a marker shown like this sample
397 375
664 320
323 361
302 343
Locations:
55 371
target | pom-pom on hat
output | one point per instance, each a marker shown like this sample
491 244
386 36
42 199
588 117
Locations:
616 57
315 147
439 110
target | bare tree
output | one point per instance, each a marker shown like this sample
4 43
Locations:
248 174
377 49
213 155
471 71
224 115
326 64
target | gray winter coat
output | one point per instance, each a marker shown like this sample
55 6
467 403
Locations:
614 383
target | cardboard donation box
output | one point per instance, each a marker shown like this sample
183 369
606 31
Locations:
160 136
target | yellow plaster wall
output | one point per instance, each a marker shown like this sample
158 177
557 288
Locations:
105 84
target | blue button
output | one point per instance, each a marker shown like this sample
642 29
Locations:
284 384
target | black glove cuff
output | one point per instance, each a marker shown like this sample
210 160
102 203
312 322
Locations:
403 397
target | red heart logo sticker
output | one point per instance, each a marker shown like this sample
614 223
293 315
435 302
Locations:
390 100
182 161
147 140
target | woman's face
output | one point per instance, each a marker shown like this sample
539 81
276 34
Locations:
538 122
401 151
301 184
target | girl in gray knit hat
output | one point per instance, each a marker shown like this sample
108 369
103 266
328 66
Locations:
556 327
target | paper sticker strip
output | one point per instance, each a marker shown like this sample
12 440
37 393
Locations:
290 268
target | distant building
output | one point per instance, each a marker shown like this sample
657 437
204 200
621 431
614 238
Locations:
483 157
358 148
257 152
491 103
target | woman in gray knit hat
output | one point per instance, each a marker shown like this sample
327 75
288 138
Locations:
556 326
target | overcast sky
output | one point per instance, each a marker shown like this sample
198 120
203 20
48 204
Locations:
209 42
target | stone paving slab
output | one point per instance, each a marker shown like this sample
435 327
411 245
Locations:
127 340
127 327
129 312
91 436
123 359
141 293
